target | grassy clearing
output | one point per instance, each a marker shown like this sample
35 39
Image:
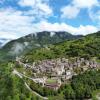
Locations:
96 94
51 81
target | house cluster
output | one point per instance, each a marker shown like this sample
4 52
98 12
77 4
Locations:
60 68
63 66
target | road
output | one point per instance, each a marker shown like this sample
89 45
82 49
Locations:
44 98
21 76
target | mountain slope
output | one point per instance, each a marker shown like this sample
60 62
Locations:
33 41
3 41
88 46
86 82
12 87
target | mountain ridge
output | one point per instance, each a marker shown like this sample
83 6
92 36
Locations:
88 46
35 40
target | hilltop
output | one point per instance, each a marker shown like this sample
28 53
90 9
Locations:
88 46
33 41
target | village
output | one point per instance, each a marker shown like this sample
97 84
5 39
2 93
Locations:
52 73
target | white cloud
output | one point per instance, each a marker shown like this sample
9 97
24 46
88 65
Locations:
72 10
44 25
95 16
14 24
27 3
45 8
37 7
69 11
8 35
86 29
85 3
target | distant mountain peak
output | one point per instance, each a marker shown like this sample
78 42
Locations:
36 40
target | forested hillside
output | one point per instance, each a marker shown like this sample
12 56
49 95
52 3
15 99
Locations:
33 41
81 86
11 86
87 47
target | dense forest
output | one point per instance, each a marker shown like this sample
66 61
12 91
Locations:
11 86
87 47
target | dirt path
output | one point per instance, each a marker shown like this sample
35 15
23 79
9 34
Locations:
44 98
21 76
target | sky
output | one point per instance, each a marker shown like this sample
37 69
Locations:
21 17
